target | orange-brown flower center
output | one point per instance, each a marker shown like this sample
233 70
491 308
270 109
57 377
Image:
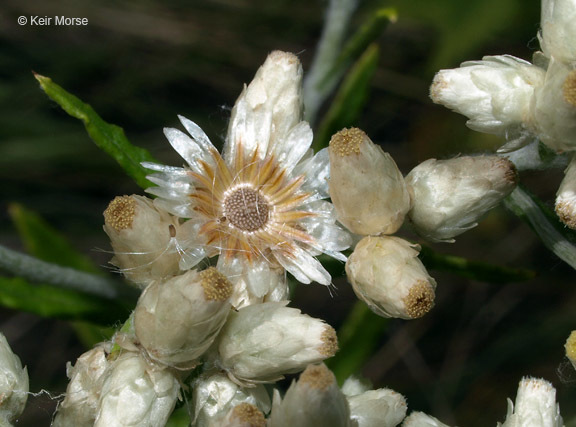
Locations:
246 209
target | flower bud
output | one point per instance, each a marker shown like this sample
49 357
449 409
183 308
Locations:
176 321
136 392
261 342
570 347
366 187
13 384
313 400
495 93
566 196
140 235
558 31
244 415
215 396
80 405
378 408
387 275
554 107
420 419
451 195
535 405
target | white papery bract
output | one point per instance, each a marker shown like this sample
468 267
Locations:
262 342
557 30
420 419
535 405
258 205
177 320
377 408
387 275
136 393
313 401
13 384
80 406
450 196
214 396
495 93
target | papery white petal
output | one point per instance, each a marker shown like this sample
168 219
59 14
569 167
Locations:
290 149
303 266
197 134
188 149
316 169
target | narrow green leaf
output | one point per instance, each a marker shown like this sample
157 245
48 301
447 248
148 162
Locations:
358 337
50 301
350 99
473 269
44 242
108 137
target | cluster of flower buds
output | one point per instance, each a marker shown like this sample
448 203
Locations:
13 384
440 198
524 101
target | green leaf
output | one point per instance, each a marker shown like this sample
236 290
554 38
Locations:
358 337
350 99
44 242
50 301
108 137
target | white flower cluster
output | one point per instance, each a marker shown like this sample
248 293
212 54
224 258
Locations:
441 199
524 101
13 384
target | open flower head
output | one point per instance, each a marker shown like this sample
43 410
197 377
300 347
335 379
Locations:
259 205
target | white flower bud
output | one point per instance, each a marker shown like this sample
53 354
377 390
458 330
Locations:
215 396
313 400
268 108
570 347
451 195
176 321
366 187
261 342
136 393
535 405
244 415
140 235
378 408
566 196
387 275
80 405
495 93
420 419
13 384
558 31
554 108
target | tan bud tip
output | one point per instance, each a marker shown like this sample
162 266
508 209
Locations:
420 299
569 88
120 213
570 347
279 55
329 345
347 141
317 377
565 211
247 415
216 286
510 172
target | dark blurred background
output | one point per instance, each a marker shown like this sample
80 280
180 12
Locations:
139 64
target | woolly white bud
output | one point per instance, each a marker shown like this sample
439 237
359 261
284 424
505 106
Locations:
136 393
366 187
313 400
13 384
176 321
215 396
140 235
558 31
495 93
386 274
268 108
535 405
450 196
554 108
570 347
420 419
566 196
80 405
378 408
261 342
